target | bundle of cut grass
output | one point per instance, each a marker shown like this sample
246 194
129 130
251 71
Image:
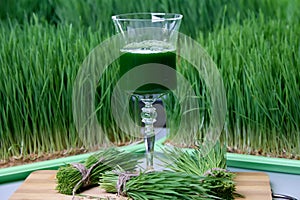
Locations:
192 161
217 181
215 184
75 177
155 185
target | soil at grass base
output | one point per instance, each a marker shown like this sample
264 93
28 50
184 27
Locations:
15 161
255 152
32 158
260 152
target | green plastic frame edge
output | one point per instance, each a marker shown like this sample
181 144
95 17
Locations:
20 172
262 163
281 165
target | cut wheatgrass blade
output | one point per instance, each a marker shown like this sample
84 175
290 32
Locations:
192 161
217 181
77 176
155 185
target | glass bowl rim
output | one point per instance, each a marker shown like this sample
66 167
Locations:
130 16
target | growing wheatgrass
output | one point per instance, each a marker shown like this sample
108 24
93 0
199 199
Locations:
198 100
82 14
36 115
39 65
254 43
258 60
259 69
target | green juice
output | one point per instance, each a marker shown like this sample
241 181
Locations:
152 53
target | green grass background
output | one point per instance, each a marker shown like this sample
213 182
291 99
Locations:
254 43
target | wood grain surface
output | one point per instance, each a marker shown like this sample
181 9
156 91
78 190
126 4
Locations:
41 185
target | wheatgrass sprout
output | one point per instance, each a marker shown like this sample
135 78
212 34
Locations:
211 13
260 68
36 88
255 44
71 178
260 72
83 14
195 128
39 63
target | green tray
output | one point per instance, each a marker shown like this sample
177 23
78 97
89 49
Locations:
233 160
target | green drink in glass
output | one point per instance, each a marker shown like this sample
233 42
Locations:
148 62
147 52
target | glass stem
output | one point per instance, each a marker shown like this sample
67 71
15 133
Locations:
149 118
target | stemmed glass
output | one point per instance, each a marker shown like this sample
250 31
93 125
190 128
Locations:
149 56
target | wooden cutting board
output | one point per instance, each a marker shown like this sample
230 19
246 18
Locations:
41 185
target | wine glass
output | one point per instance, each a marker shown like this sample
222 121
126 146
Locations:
149 55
